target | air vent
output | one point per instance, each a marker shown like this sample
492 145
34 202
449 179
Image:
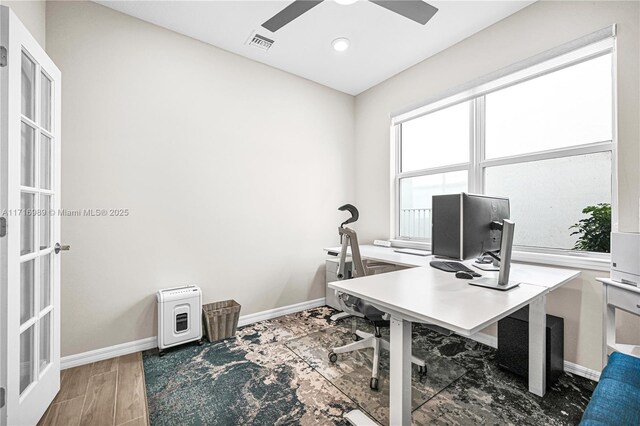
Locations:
261 42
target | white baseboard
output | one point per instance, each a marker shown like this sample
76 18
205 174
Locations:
569 367
581 371
278 312
152 342
108 352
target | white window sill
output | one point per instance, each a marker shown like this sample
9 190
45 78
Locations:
578 260
595 262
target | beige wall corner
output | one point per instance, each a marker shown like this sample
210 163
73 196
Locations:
232 172
32 13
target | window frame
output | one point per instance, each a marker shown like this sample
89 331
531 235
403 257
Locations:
475 94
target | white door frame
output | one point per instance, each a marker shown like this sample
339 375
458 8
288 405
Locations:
4 23
28 407
4 119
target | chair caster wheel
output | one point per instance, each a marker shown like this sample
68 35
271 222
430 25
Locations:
161 353
333 357
422 370
373 384
201 342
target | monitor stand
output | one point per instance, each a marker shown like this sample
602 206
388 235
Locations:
493 283
506 246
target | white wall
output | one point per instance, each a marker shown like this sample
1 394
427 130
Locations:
232 172
32 13
539 27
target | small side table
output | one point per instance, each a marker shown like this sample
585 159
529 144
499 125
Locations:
617 296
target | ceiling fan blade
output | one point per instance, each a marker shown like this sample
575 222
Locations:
289 13
416 10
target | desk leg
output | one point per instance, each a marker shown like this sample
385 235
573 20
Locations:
400 373
608 327
537 345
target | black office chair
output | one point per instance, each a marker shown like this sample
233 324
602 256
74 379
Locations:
360 307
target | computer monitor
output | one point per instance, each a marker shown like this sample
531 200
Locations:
465 226
470 225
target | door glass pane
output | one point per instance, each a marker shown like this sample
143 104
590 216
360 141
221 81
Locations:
568 107
27 290
45 281
45 341
26 358
28 156
28 103
45 221
45 102
545 211
45 162
27 222
437 139
415 200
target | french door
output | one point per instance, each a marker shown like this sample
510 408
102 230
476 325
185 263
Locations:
30 227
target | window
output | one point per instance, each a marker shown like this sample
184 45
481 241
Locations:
427 172
542 137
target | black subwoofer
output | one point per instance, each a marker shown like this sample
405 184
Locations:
513 345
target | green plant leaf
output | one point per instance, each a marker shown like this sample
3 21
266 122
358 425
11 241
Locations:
594 230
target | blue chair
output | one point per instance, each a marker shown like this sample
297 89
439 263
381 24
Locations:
616 399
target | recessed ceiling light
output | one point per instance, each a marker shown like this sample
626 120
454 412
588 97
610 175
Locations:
345 2
340 44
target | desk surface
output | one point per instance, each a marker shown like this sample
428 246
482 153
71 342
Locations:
545 276
433 296
386 254
429 295
611 282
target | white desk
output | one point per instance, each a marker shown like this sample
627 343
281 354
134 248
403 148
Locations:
426 294
617 296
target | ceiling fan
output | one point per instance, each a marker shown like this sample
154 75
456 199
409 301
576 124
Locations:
416 10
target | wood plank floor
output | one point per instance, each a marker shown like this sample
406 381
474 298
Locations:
110 393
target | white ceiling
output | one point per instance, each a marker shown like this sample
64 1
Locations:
383 43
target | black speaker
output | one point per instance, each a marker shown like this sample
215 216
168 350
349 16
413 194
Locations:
513 345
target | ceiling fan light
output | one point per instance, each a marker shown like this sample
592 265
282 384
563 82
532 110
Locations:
340 44
345 2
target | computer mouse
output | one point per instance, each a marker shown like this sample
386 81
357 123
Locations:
463 275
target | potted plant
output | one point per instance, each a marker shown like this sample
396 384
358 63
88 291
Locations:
594 230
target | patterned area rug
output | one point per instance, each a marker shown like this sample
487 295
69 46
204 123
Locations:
244 380
277 372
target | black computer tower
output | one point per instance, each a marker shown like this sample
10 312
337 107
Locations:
513 345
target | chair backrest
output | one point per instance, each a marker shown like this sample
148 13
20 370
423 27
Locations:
350 238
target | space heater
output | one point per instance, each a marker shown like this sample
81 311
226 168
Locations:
179 313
